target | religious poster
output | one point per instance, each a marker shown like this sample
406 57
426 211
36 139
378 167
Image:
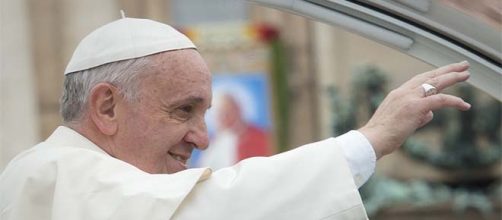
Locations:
239 124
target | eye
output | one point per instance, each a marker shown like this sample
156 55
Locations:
184 112
186 108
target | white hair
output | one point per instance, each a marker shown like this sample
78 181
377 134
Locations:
122 74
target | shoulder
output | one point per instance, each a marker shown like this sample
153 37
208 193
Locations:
47 162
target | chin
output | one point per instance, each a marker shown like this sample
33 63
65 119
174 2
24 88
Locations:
174 169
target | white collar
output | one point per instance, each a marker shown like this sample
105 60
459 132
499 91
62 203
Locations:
66 136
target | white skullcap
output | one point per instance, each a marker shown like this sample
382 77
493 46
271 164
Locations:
124 39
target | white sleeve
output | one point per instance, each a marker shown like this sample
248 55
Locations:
309 182
359 154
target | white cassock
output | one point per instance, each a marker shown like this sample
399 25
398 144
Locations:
68 177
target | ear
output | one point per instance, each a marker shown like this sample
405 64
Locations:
103 101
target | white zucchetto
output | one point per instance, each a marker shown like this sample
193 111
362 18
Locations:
124 39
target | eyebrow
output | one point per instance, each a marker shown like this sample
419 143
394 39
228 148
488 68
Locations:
190 100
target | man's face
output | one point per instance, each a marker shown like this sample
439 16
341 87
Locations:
229 113
158 132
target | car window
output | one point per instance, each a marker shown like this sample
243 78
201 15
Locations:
437 32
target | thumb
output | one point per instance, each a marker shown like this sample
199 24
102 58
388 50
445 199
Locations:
428 118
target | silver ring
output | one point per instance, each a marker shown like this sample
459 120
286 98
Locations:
429 89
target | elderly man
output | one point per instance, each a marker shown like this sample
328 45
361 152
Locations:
133 106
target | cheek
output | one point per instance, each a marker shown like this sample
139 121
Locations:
172 133
153 130
163 134
139 129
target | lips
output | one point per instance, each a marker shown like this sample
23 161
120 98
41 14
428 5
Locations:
181 158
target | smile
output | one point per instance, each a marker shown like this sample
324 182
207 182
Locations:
182 159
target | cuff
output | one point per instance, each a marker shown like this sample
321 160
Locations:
359 154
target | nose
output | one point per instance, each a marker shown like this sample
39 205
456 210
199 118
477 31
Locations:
198 135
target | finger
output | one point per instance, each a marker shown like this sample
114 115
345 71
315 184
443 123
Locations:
447 80
421 78
438 101
427 118
454 67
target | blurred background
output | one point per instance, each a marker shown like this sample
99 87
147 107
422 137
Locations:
292 81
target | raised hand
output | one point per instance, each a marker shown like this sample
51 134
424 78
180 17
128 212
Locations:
409 107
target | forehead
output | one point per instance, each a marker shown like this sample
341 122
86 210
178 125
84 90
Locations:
180 73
